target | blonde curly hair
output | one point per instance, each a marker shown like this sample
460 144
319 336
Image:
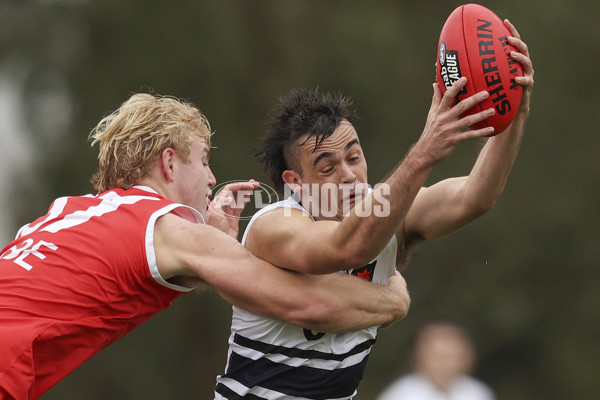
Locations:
134 136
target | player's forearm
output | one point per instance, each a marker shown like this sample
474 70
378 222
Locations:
494 164
325 303
354 304
490 173
372 223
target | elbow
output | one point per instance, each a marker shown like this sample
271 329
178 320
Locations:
484 208
487 204
476 212
344 258
484 200
357 256
476 209
341 257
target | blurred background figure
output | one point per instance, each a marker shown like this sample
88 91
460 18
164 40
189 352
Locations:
442 360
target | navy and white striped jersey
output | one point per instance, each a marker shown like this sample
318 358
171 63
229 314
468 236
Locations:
270 359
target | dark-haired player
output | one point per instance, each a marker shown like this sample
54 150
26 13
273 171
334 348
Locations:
331 223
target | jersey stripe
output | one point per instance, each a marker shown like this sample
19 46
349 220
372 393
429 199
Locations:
110 203
56 209
266 348
301 381
231 395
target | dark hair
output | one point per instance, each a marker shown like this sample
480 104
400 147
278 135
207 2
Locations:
300 112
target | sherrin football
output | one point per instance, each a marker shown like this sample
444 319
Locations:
473 43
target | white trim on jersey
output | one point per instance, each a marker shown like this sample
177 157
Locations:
289 202
260 392
180 210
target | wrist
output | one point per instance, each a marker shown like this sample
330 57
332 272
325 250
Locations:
417 161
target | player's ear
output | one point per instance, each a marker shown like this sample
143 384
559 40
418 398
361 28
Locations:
292 179
167 163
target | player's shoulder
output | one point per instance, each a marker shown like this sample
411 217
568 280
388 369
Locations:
279 221
280 214
176 227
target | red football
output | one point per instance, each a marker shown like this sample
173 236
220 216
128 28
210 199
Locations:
473 43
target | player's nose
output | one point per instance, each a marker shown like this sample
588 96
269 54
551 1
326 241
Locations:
212 181
348 175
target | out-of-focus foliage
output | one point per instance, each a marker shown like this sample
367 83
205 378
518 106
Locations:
524 278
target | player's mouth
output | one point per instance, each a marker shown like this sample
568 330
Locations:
352 198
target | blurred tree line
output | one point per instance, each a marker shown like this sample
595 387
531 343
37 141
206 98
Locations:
524 278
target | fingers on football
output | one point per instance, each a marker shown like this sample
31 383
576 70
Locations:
436 99
452 92
473 119
470 102
511 28
478 133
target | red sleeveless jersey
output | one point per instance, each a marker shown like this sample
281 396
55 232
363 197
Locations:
76 280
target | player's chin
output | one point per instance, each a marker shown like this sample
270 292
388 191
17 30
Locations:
202 208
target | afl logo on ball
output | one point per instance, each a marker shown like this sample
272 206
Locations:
450 67
442 54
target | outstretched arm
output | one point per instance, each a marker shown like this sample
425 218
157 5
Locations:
452 203
327 246
327 303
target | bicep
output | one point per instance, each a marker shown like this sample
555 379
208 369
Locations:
294 241
195 250
201 252
177 244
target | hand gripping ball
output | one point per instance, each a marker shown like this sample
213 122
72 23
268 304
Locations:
473 43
